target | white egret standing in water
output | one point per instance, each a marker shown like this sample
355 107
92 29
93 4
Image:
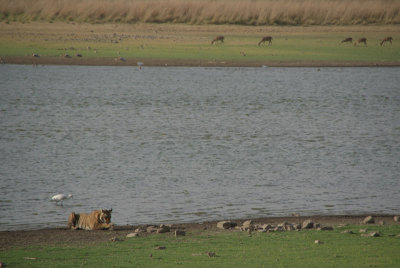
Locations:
61 197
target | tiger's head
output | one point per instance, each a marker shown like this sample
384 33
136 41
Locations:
105 216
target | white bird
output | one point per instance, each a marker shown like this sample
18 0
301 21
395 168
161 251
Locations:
61 197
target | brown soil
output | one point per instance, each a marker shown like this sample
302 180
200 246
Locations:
187 63
65 237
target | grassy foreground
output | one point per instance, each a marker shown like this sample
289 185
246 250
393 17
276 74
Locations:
127 44
232 249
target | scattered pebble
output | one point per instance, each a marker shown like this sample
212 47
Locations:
326 228
375 234
372 234
368 220
211 254
226 224
132 235
115 239
347 232
307 224
180 233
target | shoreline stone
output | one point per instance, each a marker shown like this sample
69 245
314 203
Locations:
132 235
326 228
226 224
307 224
368 220
179 233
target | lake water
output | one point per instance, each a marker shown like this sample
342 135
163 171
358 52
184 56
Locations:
163 145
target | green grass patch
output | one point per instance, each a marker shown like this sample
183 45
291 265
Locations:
232 249
293 46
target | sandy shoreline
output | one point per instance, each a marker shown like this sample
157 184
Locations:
64 236
186 63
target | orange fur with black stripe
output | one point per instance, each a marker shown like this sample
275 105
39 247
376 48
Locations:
96 220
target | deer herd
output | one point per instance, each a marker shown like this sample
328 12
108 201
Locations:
389 39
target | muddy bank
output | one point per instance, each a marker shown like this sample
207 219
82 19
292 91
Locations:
186 63
62 236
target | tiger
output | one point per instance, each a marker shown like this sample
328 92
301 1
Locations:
96 220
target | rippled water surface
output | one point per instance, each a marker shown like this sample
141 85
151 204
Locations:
163 145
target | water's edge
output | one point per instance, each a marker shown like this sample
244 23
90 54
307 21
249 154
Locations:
46 60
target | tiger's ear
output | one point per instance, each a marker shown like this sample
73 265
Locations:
98 215
110 210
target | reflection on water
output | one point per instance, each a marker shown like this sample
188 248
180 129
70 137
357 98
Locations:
196 144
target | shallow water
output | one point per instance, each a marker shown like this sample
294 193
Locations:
163 145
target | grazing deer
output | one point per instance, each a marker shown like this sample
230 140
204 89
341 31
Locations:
218 38
347 40
361 40
387 39
265 39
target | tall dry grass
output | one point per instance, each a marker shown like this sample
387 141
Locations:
246 12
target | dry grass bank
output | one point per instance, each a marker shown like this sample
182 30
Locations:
243 12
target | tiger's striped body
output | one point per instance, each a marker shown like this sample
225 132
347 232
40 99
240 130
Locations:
96 220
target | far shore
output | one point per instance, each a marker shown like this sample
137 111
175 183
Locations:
182 45
46 60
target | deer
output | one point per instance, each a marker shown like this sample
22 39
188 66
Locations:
387 39
219 38
265 39
347 40
361 40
